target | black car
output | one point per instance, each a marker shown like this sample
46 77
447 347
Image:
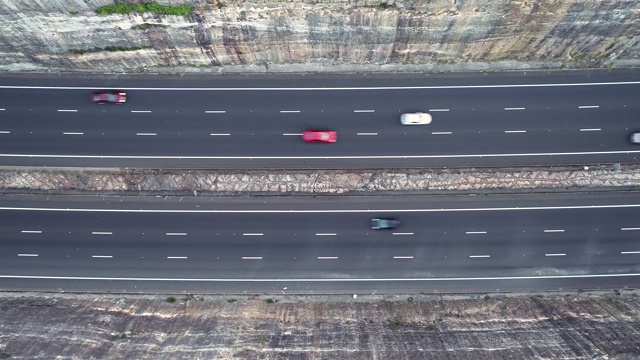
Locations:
385 223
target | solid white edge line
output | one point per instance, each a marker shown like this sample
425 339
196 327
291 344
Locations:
590 129
441 133
60 110
576 207
31 231
628 229
215 112
28 255
553 231
101 233
475 232
326 88
401 157
365 134
402 233
515 131
436 110
515 108
102 256
252 234
219 134
555 254
289 111
327 257
588 107
72 133
506 278
629 252
252 258
176 234
146 134
363 111
403 257
326 234
479 256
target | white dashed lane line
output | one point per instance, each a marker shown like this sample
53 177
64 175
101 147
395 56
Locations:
363 111
290 134
441 133
140 111
2 109
5 132
177 257
101 233
514 108
479 256
475 232
327 257
515 131
176 234
63 110
402 233
31 231
590 129
289 111
102 256
215 112
629 229
146 134
367 134
28 255
252 234
553 231
588 107
555 254
436 110
326 234
72 133
403 257
219 134
252 258
629 252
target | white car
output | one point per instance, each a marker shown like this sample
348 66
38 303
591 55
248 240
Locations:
415 119
635 138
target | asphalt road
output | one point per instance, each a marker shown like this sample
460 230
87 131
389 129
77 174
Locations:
256 122
320 244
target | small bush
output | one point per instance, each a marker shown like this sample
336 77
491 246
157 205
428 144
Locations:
171 299
269 301
487 297
231 301
201 298
73 12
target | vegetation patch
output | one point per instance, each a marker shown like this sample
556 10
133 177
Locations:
171 299
152 7
109 48
231 301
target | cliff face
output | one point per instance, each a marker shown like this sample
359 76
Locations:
68 34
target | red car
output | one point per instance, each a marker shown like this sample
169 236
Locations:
322 136
109 97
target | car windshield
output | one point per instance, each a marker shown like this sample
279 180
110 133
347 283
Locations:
111 97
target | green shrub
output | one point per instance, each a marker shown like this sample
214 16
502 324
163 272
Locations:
231 301
73 12
269 301
171 299
153 7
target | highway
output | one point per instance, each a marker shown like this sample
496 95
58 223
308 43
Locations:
256 121
320 244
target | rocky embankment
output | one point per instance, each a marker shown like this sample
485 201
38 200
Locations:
311 35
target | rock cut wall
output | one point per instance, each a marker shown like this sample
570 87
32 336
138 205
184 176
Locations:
69 35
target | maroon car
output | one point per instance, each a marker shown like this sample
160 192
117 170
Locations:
322 136
109 97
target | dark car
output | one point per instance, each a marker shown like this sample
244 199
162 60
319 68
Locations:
384 223
109 97
321 136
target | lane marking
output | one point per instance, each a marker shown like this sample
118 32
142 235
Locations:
441 133
219 134
252 258
215 112
29 255
327 257
553 231
140 111
2 109
176 234
366 134
5 132
72 133
177 257
289 111
436 110
476 232
588 107
101 233
326 88
31 231
402 233
61 110
514 108
590 129
394 157
326 234
330 280
146 134
630 252
479 256
403 257
629 229
555 254
292 134
363 111
102 256
515 131
252 234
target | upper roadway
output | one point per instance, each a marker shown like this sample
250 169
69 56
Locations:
256 121
320 244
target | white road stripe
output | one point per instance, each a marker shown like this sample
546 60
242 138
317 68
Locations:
588 107
252 234
176 234
479 256
326 234
32 255
403 257
289 111
146 134
101 233
435 110
515 131
402 233
215 112
555 254
291 134
177 257
252 258
363 111
590 129
219 134
553 231
365 134
61 110
441 133
72 133
630 252
629 229
476 232
140 111
5 132
102 256
31 231
2 109
327 257
514 108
